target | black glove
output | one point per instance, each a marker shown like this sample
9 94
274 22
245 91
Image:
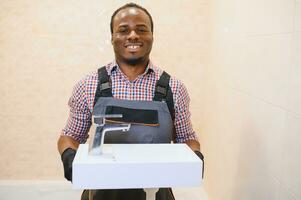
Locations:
67 158
200 155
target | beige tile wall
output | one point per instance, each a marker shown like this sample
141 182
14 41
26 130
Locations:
47 46
251 119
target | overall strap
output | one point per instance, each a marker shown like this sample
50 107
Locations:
103 87
163 93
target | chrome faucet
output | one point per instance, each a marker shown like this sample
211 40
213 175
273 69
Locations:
102 128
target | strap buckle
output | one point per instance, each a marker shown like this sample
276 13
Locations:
105 86
161 90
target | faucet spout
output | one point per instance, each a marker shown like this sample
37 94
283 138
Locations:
103 128
121 127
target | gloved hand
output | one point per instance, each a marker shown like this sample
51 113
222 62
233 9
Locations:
200 155
67 158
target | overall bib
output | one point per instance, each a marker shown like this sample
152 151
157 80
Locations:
151 122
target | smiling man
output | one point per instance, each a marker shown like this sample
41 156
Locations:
132 38
156 104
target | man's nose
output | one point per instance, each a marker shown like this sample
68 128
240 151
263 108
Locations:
133 35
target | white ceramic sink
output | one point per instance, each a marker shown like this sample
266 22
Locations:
137 166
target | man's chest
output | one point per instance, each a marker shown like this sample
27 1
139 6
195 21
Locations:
142 89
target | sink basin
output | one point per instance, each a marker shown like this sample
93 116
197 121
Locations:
136 166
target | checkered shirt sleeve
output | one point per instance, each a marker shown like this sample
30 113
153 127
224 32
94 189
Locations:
79 120
182 123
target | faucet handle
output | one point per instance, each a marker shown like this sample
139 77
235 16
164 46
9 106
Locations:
100 120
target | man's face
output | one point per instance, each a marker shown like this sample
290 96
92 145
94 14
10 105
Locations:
132 38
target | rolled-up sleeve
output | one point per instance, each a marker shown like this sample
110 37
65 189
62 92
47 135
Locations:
183 125
79 120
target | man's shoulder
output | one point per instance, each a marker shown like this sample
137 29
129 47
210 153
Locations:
175 83
89 78
159 71
93 75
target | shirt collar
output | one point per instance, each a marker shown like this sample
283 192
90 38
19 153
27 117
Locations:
113 66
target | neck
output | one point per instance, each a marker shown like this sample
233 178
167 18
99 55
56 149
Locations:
132 71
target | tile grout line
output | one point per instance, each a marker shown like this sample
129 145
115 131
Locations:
268 34
297 115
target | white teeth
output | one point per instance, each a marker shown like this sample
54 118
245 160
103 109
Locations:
133 47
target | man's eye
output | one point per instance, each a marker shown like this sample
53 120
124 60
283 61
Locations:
142 30
123 30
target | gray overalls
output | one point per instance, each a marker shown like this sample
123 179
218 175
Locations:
151 122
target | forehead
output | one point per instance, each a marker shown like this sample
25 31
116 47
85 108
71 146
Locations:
131 14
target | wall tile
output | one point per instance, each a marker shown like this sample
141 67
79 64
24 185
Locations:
212 115
247 143
255 17
259 187
291 162
252 60
259 66
196 193
285 195
259 129
265 16
298 16
294 98
227 144
29 147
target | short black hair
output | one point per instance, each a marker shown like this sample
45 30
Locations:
131 5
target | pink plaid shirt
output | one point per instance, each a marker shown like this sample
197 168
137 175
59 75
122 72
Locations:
142 88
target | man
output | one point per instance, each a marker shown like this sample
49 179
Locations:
133 84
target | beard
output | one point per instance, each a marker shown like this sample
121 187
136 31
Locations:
134 61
